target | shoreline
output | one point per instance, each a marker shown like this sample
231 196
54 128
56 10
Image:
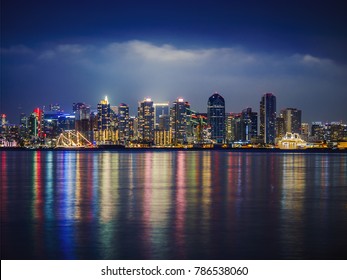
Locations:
158 149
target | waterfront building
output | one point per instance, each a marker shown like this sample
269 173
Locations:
280 130
335 131
164 122
180 121
132 128
233 127
9 133
36 123
249 125
292 141
268 118
328 132
200 131
146 121
52 127
66 122
162 137
292 120
216 117
317 131
123 123
104 133
160 109
82 119
23 126
305 131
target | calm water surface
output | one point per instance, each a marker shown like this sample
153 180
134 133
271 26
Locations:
173 205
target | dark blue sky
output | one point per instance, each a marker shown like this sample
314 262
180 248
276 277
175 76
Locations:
70 51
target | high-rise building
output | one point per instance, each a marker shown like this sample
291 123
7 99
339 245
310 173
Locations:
304 131
52 126
180 121
133 128
36 123
292 120
164 122
123 123
317 131
146 121
160 109
216 117
280 130
23 125
249 125
104 134
82 119
328 132
234 120
268 118
66 122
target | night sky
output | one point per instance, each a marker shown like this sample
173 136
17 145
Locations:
79 51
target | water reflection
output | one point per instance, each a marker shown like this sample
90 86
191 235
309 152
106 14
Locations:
172 205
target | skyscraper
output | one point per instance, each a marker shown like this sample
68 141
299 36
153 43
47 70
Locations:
103 134
292 120
160 109
280 129
216 117
249 125
82 119
146 121
268 118
36 123
123 123
179 120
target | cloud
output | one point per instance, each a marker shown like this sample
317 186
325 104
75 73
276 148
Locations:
47 54
131 70
71 48
17 50
151 52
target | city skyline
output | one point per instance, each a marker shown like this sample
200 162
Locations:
63 52
133 110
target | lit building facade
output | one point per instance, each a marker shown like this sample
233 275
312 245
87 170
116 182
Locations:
328 132
317 131
104 133
123 123
145 126
216 117
292 120
36 123
268 118
160 109
305 131
280 130
180 121
82 119
249 125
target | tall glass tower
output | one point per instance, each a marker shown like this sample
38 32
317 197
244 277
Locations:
268 118
292 120
146 121
160 109
216 117
123 123
180 119
104 122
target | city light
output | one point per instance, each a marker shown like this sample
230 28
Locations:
160 125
